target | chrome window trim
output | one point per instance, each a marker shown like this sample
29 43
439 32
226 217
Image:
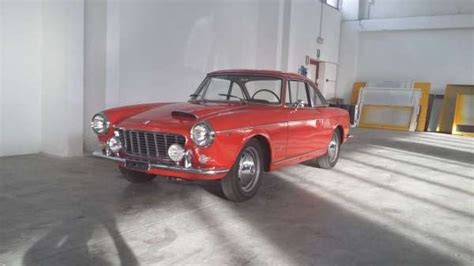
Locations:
207 78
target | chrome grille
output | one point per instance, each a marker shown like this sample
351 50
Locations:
147 144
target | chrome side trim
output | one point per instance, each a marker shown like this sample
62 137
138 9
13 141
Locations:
190 170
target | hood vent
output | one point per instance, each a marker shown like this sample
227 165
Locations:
185 115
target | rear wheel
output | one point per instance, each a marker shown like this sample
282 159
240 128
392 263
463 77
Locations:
329 160
243 181
136 176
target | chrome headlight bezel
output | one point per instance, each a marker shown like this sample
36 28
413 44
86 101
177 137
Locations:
98 119
202 134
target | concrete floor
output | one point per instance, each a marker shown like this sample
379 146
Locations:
395 198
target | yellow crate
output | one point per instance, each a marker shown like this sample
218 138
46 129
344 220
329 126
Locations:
425 98
464 113
356 90
446 116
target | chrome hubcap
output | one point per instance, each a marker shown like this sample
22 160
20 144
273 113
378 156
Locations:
249 169
333 148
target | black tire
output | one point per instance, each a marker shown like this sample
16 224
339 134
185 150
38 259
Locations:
136 176
240 188
329 160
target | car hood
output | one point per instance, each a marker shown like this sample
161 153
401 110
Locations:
172 115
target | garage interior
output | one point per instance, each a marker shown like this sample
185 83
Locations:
401 193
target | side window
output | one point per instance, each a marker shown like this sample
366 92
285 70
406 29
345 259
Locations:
297 90
316 96
264 90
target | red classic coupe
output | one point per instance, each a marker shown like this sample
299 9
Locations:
237 124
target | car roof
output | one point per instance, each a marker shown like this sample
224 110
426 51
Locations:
258 72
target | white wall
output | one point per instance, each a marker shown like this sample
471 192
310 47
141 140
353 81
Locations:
331 31
409 40
161 50
95 42
20 77
415 8
350 10
438 56
304 29
348 57
305 23
62 77
166 47
133 52
41 53
210 35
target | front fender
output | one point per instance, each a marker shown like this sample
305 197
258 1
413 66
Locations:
227 146
116 115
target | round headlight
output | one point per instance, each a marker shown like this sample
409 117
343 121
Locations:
202 134
176 152
100 124
114 144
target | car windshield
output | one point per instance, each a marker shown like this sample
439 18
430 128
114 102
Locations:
259 89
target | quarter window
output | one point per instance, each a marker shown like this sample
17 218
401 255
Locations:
297 91
316 96
300 90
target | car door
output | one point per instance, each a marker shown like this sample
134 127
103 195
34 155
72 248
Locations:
323 114
304 122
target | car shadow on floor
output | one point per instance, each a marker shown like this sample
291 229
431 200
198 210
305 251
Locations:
310 230
69 242
294 221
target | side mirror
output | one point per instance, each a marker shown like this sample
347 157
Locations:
299 104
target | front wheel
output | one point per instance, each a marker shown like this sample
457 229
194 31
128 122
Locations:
136 176
329 160
243 181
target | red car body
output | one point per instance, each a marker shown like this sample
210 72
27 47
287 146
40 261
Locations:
288 135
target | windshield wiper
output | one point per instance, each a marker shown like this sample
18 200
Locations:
232 96
194 98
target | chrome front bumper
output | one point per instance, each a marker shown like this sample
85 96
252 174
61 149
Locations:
190 170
